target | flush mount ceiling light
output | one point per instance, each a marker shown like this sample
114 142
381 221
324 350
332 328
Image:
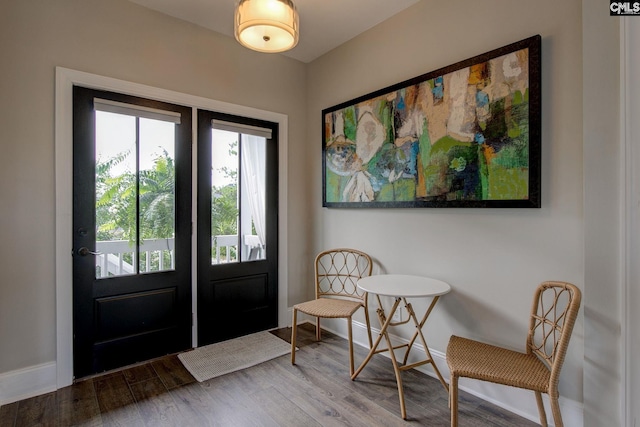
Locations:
266 25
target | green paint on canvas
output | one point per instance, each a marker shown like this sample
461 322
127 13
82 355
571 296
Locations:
484 174
446 143
424 142
334 186
350 123
519 120
464 151
518 98
386 193
435 174
514 155
386 117
508 184
402 190
513 130
405 190
379 110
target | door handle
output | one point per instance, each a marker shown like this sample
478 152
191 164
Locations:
84 251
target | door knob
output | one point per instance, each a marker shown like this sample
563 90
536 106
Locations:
84 251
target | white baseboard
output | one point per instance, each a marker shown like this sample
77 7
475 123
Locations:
519 401
27 382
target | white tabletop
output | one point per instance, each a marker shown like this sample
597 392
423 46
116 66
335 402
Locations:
401 285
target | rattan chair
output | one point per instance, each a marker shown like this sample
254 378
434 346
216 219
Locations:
337 272
554 311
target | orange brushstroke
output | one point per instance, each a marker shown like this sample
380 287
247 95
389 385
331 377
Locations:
489 153
421 187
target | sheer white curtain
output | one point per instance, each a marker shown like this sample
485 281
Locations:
253 151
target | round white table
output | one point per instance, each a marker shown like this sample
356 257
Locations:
400 287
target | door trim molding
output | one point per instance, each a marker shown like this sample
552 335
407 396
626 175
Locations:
630 131
65 80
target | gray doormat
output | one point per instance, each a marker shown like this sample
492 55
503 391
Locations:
224 357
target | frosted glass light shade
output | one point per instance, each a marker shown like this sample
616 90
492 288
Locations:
266 25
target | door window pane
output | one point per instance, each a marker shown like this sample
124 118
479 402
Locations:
238 186
224 196
135 194
156 195
253 192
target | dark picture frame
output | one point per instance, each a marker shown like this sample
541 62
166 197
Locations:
466 135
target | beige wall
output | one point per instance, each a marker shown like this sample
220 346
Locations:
122 40
492 258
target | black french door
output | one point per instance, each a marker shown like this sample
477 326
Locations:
131 229
237 226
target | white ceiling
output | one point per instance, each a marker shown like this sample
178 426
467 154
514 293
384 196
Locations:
324 24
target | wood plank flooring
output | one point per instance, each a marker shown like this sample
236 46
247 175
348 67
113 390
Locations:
315 392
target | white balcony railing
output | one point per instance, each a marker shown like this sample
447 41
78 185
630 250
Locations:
227 248
115 253
118 257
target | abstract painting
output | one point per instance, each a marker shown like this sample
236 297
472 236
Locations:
467 135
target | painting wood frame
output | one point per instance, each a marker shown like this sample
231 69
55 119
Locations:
466 135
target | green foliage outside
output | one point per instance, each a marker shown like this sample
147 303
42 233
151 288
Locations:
116 205
116 200
224 206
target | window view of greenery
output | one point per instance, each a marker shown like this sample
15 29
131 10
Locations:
116 218
224 196
135 199
135 195
238 171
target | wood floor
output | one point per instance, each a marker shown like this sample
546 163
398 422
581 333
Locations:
315 392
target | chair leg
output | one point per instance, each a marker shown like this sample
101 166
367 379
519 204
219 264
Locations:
453 400
555 410
294 330
351 364
366 319
318 334
541 412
